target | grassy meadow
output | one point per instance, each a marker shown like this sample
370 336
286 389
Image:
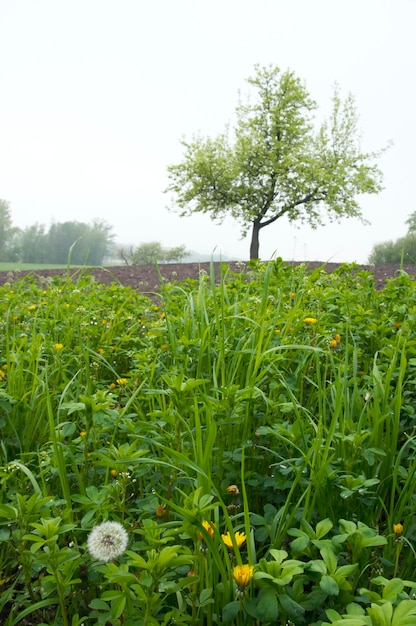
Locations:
240 452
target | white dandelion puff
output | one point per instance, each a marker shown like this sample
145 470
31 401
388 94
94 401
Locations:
107 541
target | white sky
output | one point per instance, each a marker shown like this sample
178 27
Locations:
95 96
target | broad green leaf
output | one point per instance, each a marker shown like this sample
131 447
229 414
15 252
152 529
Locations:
267 607
381 614
329 585
323 527
392 589
230 611
404 613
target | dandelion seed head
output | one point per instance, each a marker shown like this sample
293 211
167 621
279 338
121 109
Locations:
107 541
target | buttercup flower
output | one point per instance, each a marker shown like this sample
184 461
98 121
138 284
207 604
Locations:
58 346
310 320
240 538
208 527
398 529
107 541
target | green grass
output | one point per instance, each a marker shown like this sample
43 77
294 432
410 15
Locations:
276 403
24 267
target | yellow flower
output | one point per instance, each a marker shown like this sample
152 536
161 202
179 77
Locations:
398 529
242 575
233 489
83 433
208 527
100 350
31 307
112 385
58 346
333 343
114 473
240 538
310 320
121 381
337 337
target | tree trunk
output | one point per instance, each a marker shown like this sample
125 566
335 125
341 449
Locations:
254 245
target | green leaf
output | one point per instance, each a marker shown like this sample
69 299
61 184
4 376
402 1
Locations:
291 608
381 615
317 566
8 511
347 570
347 526
205 597
267 606
329 558
279 555
230 611
329 585
392 589
111 594
117 606
299 544
404 613
323 527
99 604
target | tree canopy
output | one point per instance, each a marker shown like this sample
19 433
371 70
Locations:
277 162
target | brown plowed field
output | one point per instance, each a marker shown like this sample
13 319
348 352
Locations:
147 278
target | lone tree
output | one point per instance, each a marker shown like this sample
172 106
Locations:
277 162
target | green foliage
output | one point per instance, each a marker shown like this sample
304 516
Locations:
403 250
277 163
266 420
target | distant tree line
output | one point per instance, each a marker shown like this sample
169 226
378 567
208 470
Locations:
72 241
75 242
151 252
398 251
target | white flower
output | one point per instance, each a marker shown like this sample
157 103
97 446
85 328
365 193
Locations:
107 541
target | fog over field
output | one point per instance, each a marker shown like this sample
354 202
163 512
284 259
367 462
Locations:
97 95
